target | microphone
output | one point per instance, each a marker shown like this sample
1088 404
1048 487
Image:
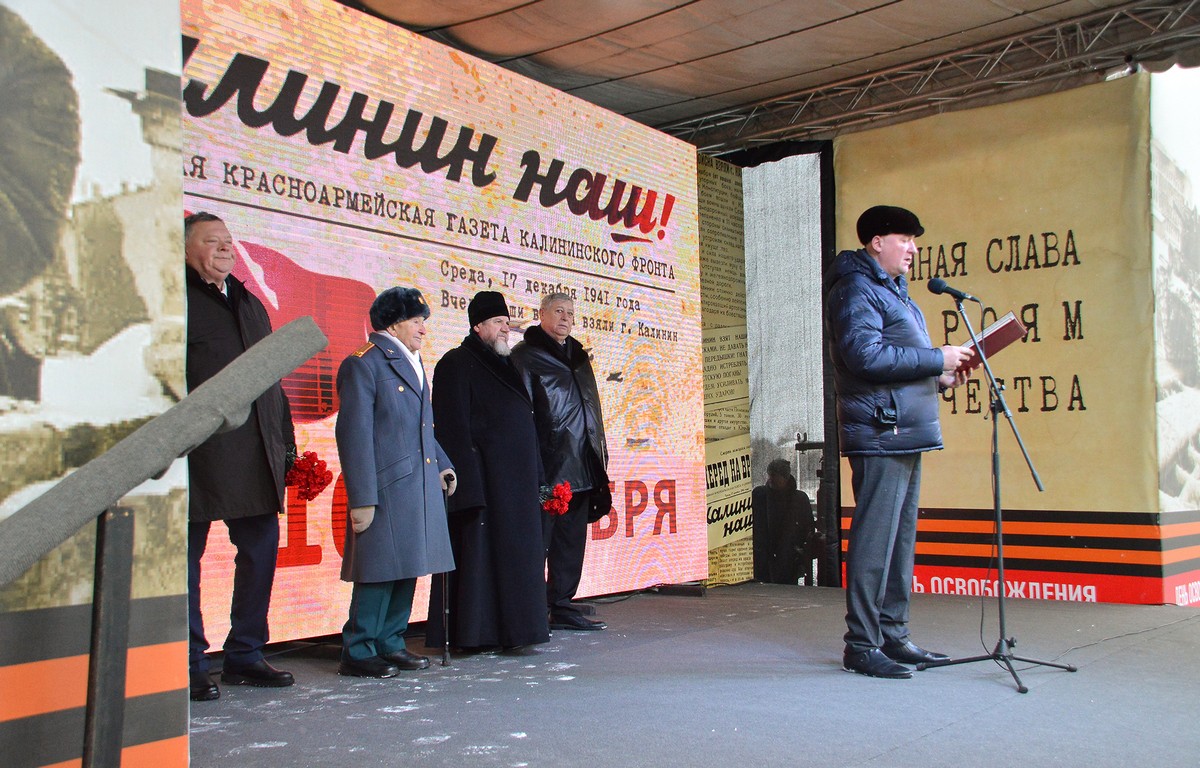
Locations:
938 285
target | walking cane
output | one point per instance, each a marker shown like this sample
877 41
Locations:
445 597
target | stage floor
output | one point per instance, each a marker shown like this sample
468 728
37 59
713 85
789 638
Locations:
743 676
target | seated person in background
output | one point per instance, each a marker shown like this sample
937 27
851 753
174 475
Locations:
783 524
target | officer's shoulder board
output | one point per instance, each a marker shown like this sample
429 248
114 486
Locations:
364 349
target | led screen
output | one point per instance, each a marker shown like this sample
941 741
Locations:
347 156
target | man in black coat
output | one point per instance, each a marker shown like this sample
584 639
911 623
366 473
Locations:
571 433
235 476
484 420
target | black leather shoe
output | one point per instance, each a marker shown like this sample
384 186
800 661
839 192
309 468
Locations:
203 688
576 622
873 663
909 653
403 659
259 674
372 666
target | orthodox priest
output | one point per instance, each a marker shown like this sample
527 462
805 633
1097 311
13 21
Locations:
483 415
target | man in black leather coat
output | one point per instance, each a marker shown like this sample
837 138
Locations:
566 404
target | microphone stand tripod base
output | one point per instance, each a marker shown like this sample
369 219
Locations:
1003 654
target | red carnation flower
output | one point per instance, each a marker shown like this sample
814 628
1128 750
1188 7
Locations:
558 500
310 475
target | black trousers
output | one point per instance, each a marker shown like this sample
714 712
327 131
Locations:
565 539
257 541
881 550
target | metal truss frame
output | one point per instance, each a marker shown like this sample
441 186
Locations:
1085 49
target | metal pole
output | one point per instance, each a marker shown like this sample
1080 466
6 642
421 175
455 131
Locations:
104 718
445 597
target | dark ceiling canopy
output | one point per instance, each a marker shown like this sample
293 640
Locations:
731 75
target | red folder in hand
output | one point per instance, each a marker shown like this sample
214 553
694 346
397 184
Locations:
994 338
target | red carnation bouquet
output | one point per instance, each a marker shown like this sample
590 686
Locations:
310 476
556 501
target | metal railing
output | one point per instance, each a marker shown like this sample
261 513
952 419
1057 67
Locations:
92 491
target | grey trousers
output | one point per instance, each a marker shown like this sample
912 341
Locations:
880 553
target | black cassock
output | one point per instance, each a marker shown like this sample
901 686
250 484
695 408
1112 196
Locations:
483 419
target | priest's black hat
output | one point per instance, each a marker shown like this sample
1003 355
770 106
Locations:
486 305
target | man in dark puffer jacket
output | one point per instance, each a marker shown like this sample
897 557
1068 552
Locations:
887 374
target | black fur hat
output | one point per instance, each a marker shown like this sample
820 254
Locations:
396 305
485 306
887 220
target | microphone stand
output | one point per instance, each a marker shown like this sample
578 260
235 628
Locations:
1003 651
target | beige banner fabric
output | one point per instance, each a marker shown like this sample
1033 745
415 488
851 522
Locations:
1039 207
726 374
727 475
